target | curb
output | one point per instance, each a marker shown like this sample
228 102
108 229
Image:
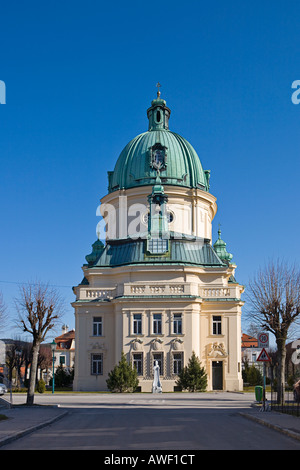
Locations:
286 431
17 435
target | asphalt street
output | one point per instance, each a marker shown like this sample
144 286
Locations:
133 422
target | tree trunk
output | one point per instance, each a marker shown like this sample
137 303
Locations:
33 371
281 369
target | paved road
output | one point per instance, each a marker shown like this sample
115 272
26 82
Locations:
153 422
127 400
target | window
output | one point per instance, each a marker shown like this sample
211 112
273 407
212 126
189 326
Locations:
157 323
97 364
170 216
217 325
177 363
138 362
177 324
97 326
62 360
157 245
137 324
159 358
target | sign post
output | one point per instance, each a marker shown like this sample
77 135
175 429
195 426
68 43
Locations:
263 340
264 357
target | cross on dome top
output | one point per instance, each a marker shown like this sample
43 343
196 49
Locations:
158 89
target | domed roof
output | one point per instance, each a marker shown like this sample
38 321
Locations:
158 149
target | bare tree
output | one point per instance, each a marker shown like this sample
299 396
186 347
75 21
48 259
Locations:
11 360
274 300
45 358
3 313
39 309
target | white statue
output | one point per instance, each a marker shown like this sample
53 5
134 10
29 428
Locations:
156 385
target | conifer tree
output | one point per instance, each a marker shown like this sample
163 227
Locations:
123 378
193 377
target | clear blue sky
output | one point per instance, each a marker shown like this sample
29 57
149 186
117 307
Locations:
79 77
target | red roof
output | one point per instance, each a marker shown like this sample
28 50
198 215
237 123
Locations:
249 341
64 341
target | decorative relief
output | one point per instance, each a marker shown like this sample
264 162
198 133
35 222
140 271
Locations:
137 344
157 344
97 345
216 350
177 344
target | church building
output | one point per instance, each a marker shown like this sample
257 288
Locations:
158 289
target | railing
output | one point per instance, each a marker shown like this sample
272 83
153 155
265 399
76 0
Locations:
97 293
215 292
286 404
157 289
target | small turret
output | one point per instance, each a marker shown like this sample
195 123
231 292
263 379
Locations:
98 247
159 113
220 249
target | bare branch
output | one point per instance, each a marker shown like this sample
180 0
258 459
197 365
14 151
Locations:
3 313
39 308
273 298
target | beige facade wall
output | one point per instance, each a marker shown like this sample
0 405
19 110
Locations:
209 305
157 291
193 211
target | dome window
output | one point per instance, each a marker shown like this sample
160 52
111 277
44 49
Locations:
158 117
170 217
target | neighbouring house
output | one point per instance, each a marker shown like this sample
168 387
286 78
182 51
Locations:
250 352
64 354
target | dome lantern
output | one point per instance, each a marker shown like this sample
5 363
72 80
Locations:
158 114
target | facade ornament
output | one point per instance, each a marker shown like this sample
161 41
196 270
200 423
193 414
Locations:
177 344
98 345
156 344
217 350
137 344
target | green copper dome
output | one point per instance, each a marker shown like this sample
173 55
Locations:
158 149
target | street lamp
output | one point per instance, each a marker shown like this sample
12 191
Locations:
53 347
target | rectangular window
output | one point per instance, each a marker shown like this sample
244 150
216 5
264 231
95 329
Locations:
177 324
62 360
97 364
157 324
138 362
159 358
137 324
217 325
157 245
97 326
177 363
